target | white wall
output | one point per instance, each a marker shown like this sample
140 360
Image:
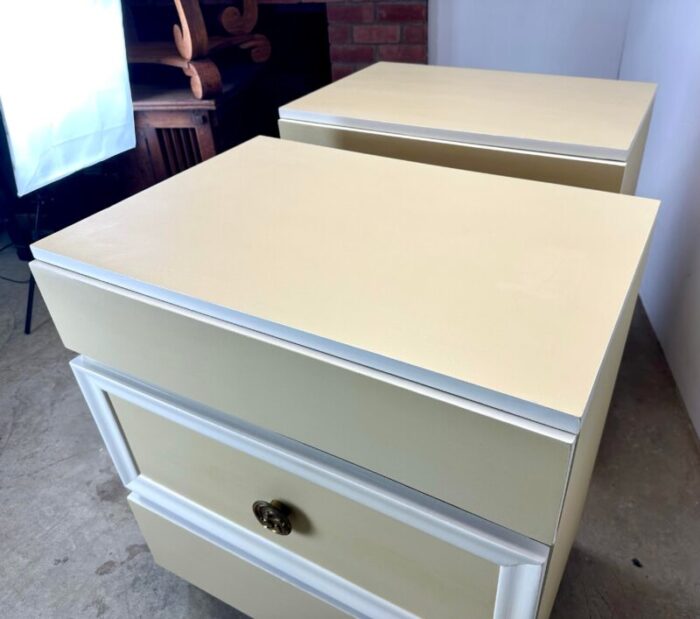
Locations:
663 46
573 37
649 40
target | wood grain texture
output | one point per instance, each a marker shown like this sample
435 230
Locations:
546 113
223 575
205 78
516 288
190 35
587 449
386 557
509 285
509 474
240 21
170 137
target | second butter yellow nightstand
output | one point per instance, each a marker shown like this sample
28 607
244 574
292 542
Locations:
569 130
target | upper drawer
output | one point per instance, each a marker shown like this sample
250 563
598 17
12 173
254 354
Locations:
496 290
570 130
575 171
510 471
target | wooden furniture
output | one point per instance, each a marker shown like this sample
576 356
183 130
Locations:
575 131
194 51
174 131
406 368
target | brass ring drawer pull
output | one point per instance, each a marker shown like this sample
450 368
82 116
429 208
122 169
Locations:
274 516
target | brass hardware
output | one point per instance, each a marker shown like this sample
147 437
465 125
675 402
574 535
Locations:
274 516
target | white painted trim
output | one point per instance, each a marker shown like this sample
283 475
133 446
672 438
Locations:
489 147
521 560
507 409
518 593
462 137
454 526
262 553
107 423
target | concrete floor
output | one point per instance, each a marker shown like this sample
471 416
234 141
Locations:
70 547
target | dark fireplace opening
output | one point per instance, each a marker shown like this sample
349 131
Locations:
300 60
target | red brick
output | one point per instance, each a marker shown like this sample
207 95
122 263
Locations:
338 33
403 53
407 11
341 70
376 34
414 34
351 13
352 53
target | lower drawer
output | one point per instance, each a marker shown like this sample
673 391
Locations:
409 568
222 574
400 552
576 171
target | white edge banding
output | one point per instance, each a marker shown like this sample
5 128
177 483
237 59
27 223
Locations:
484 146
109 428
463 137
509 409
521 560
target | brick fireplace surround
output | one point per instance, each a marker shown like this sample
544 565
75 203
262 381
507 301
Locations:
361 32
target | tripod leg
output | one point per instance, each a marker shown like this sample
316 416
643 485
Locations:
30 306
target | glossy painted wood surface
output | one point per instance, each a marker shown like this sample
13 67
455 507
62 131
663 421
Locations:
587 450
393 560
575 171
225 576
510 472
262 305
576 116
508 286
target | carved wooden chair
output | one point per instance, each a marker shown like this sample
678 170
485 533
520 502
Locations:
193 49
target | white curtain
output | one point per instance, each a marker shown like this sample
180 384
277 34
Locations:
64 88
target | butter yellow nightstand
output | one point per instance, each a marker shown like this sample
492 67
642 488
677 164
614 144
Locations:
570 130
343 384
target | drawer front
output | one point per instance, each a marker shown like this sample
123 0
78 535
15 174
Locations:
509 472
428 577
222 574
575 171
398 552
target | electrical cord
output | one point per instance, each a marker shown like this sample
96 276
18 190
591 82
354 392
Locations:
14 281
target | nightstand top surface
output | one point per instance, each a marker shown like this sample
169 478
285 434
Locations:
574 116
498 289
